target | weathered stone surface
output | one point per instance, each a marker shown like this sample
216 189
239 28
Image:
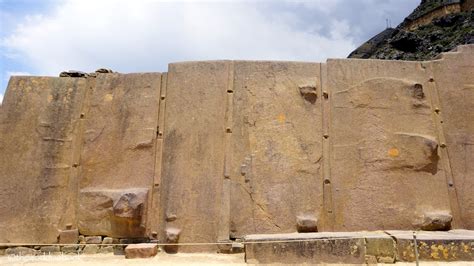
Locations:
135 251
118 213
453 80
240 148
309 93
120 128
276 166
306 224
436 221
172 237
71 249
435 246
38 135
93 240
106 249
50 250
194 129
133 240
119 250
314 248
381 247
21 251
384 149
90 249
69 236
109 240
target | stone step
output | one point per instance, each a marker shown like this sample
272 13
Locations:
359 247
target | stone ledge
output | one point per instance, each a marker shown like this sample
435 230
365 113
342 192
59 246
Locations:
359 247
331 247
454 245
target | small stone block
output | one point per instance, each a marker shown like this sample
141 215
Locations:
237 247
107 240
306 224
50 250
436 221
119 250
146 250
382 248
172 237
70 249
133 240
106 249
69 236
90 249
93 240
21 251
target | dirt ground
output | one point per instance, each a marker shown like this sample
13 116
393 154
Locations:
160 259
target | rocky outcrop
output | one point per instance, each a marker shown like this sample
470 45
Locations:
422 37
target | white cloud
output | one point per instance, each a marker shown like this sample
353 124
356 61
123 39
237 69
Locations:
145 35
321 5
1 98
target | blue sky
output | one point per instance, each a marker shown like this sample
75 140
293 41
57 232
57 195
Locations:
45 37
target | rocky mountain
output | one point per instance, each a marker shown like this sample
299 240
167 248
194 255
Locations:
435 26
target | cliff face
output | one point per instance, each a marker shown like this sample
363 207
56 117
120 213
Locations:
432 28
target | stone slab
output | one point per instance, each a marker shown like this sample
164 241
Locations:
118 153
193 150
457 245
454 80
360 247
386 164
141 251
90 249
276 146
298 248
39 121
21 251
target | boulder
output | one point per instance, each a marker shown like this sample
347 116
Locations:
436 221
145 250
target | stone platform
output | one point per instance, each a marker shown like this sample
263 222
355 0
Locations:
360 247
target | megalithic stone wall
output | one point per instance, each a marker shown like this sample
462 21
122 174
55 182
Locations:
213 151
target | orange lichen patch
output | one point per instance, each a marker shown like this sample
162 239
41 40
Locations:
281 118
393 152
108 97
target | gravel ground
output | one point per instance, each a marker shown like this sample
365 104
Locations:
160 259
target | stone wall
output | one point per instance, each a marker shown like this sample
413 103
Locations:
214 151
434 14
